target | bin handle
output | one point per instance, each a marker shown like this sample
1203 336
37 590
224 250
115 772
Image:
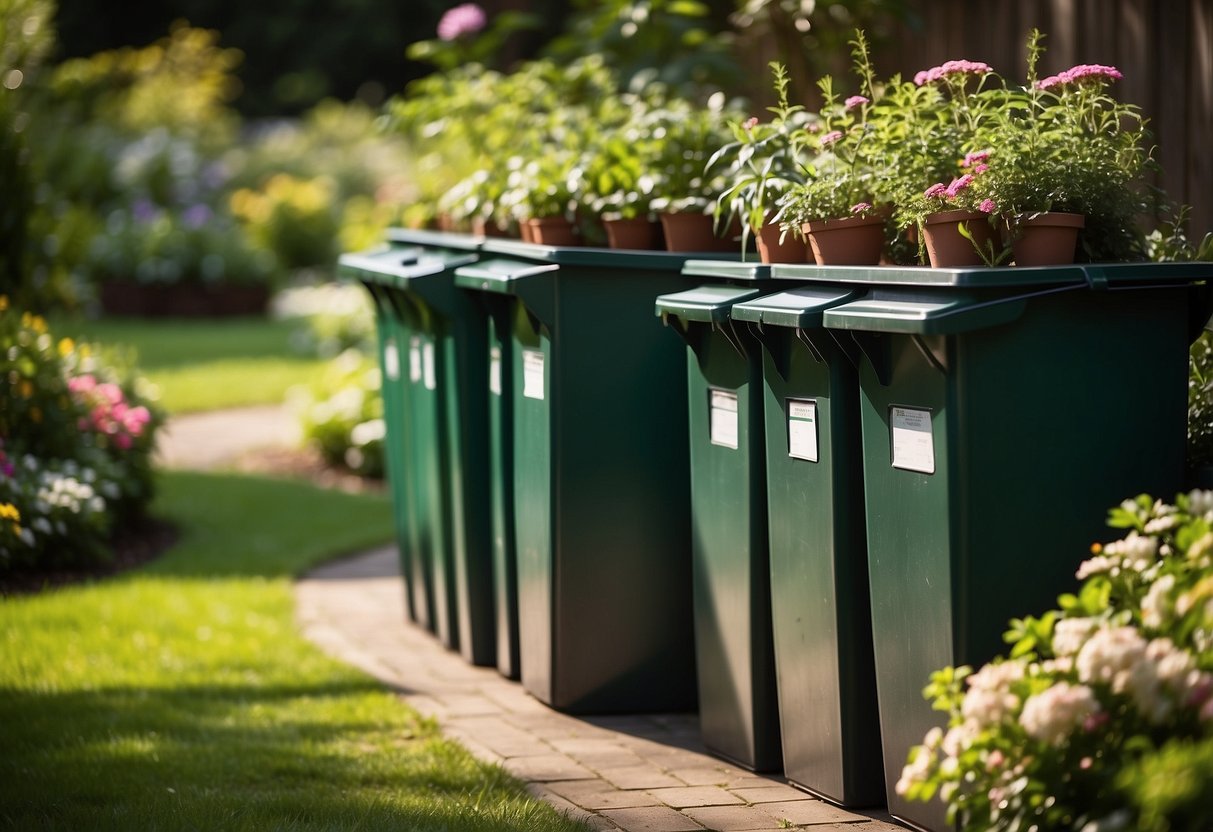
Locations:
875 345
775 342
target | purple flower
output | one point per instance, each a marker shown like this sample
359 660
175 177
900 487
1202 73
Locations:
463 20
7 468
831 137
936 73
1097 73
936 191
196 216
861 208
957 185
856 101
975 157
987 206
144 210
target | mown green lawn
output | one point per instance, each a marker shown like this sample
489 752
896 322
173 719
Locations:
181 697
206 364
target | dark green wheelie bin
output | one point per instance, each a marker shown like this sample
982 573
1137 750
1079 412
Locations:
819 571
738 711
601 494
445 452
1003 411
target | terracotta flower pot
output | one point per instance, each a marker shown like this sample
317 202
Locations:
1048 239
850 241
525 231
770 250
553 231
488 228
639 234
694 232
946 248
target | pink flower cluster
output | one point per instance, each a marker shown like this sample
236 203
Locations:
831 137
108 412
951 190
463 20
1097 73
856 101
937 73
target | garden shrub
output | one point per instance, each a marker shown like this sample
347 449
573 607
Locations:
1200 402
342 414
77 431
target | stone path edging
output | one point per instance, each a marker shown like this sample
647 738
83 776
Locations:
636 773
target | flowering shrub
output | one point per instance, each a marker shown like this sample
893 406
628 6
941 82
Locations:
1098 701
342 414
76 438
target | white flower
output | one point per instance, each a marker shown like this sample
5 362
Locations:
989 699
1157 606
1096 566
1135 552
1110 656
1162 524
922 758
1069 634
1051 715
1200 503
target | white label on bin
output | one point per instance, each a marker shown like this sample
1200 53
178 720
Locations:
495 370
391 360
802 430
722 418
913 444
414 359
532 374
427 366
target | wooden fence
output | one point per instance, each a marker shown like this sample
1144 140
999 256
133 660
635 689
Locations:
1164 48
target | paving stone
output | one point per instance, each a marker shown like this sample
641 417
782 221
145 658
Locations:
809 812
545 767
639 777
770 793
680 798
652 819
597 794
702 775
733 818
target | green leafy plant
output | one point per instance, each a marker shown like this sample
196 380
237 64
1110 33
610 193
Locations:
1096 700
342 414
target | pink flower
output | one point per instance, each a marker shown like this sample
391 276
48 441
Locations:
861 207
110 392
751 123
463 20
936 191
975 157
980 169
1096 73
937 73
831 137
856 101
957 185
987 206
122 442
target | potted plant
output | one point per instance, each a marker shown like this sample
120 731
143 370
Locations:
539 197
955 222
760 166
1066 157
617 188
834 208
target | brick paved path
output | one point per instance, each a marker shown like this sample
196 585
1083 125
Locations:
636 773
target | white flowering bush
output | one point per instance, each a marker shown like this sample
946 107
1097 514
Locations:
60 513
342 414
1101 716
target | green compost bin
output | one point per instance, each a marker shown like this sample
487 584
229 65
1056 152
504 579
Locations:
600 482
1003 411
444 452
819 571
738 711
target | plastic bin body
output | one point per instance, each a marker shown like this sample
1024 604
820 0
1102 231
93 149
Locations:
444 370
738 711
1003 411
501 483
819 571
601 493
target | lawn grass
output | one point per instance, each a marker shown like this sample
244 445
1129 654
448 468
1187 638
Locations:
206 364
181 697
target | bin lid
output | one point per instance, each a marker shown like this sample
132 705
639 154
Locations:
498 275
605 258
729 270
1096 275
384 265
707 303
939 316
798 308
434 239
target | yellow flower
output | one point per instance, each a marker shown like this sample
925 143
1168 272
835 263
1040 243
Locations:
8 511
35 322
66 345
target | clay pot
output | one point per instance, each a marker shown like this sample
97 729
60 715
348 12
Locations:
792 250
850 241
553 231
525 231
482 227
946 248
1048 239
639 234
694 232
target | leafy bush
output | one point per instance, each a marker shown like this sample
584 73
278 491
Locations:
77 432
1101 717
335 317
342 414
1200 401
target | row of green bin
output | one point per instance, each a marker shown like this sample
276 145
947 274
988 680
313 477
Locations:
848 478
